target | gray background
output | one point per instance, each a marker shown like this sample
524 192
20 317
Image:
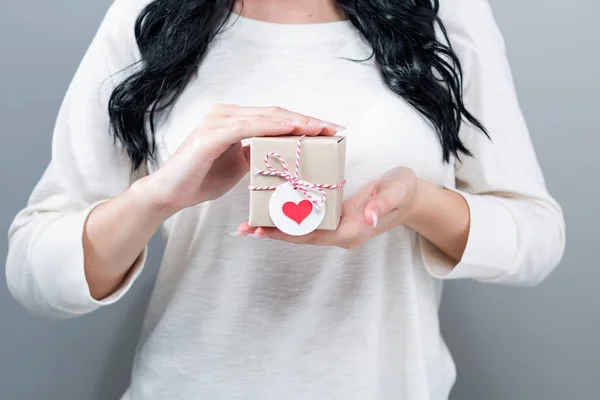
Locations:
509 344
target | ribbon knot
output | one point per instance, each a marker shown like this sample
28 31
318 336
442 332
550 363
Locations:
293 179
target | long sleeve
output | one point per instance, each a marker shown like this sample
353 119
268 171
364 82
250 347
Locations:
517 231
44 267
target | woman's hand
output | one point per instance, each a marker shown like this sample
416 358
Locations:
212 159
375 209
209 162
397 198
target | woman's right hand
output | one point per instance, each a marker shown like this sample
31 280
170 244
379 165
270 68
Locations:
212 159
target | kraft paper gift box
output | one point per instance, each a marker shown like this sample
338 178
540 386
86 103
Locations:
322 161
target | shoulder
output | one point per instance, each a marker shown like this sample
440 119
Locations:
454 10
470 23
127 8
116 31
123 12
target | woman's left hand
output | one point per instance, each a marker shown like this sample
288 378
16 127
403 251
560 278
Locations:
375 209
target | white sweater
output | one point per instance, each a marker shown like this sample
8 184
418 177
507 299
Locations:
241 318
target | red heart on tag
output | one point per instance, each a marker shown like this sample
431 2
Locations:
297 212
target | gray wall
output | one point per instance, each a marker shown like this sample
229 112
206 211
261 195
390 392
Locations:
509 343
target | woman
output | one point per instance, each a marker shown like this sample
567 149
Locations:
443 183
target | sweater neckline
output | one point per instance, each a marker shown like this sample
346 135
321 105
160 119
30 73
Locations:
314 34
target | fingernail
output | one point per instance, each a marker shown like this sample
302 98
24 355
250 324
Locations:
375 219
237 234
336 127
256 236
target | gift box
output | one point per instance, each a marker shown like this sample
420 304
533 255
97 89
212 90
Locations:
296 183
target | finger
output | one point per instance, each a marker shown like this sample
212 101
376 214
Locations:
262 126
279 112
244 229
301 127
389 195
304 126
313 238
319 238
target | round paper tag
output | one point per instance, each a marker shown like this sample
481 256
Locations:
292 213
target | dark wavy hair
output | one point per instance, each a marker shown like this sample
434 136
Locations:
173 37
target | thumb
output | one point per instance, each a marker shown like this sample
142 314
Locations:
387 196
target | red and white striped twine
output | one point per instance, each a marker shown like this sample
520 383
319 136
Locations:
298 184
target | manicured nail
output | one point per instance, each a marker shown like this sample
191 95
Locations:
237 234
375 219
335 127
289 123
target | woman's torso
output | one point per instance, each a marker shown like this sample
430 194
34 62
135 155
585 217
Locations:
241 318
